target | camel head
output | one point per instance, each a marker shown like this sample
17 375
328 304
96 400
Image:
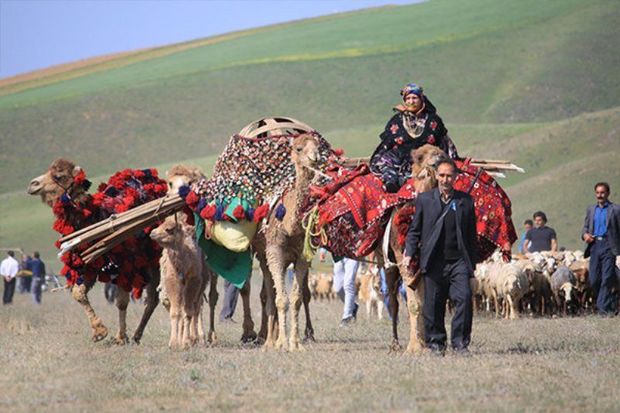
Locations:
171 232
56 181
305 151
182 175
423 167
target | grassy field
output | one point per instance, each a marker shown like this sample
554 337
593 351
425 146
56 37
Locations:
49 363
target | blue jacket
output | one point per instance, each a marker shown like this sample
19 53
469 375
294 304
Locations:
422 236
613 227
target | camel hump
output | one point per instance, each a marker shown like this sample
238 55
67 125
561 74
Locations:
274 126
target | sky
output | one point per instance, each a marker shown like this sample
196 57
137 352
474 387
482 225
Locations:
35 34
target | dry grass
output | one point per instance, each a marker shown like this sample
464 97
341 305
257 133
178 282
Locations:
48 363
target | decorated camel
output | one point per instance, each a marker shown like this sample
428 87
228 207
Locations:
354 213
280 242
132 265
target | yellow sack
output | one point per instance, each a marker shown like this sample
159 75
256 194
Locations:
235 236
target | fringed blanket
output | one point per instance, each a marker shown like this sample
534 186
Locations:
354 210
126 265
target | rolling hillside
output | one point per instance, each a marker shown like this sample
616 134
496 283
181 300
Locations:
534 82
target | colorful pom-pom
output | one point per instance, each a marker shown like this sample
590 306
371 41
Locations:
184 191
219 212
261 212
238 212
280 212
249 214
202 203
65 199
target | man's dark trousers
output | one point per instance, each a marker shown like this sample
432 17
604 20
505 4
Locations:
602 275
231 294
9 290
446 280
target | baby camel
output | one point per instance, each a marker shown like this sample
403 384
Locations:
184 280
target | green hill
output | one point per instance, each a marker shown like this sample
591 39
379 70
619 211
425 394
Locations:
534 82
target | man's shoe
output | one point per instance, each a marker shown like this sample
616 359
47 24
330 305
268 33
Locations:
437 350
345 322
462 351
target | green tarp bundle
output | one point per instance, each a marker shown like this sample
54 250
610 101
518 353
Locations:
232 266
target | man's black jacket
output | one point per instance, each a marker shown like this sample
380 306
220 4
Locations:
422 236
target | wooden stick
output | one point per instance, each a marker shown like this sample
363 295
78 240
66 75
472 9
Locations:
157 208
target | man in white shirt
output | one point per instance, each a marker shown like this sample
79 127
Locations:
8 269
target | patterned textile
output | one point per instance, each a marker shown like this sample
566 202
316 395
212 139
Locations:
249 173
354 216
354 210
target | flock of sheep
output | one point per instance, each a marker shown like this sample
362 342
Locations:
537 284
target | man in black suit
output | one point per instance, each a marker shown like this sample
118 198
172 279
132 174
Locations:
443 236
601 231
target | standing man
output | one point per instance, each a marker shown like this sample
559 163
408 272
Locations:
541 237
527 226
443 236
8 269
38 276
601 231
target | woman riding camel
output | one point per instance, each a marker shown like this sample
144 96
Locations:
415 123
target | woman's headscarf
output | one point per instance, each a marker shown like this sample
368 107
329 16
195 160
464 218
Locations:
412 88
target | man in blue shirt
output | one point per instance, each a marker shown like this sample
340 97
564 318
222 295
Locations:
601 231
527 225
38 276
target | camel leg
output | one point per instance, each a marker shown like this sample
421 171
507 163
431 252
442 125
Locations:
152 299
248 324
301 269
306 296
200 325
176 323
392 277
213 295
270 312
380 309
415 303
266 334
262 334
281 306
80 294
122 301
368 309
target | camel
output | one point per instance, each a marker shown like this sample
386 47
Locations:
57 182
184 279
279 243
182 175
424 159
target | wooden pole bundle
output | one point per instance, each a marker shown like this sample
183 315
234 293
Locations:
497 166
110 232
